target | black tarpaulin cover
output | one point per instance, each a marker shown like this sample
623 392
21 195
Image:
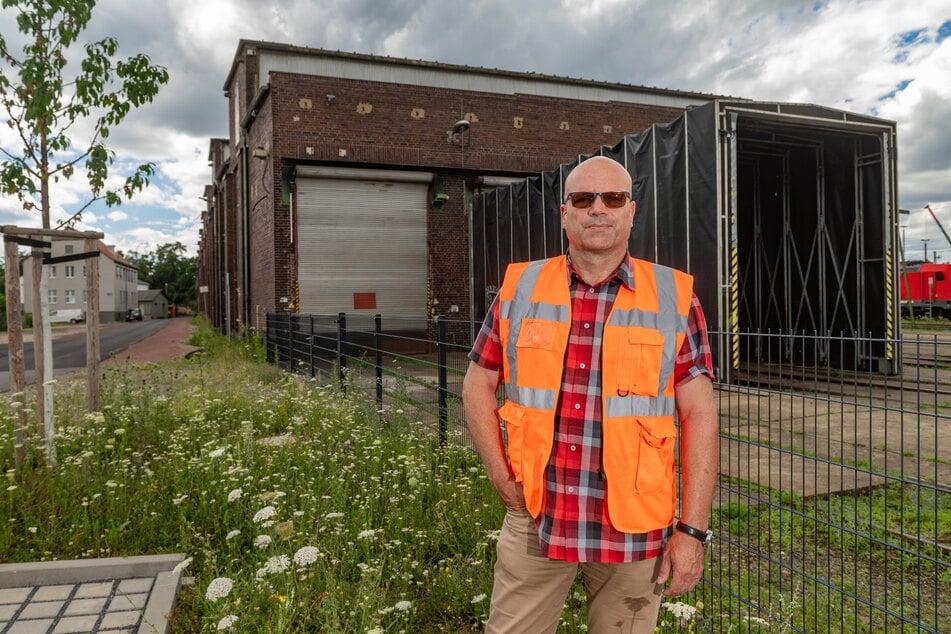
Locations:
785 214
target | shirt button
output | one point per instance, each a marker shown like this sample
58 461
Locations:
591 289
573 447
577 405
587 325
571 489
582 366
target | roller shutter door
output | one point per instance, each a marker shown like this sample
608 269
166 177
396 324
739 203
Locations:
362 242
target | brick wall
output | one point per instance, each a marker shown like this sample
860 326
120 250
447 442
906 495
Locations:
390 126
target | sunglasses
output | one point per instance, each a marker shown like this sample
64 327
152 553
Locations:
583 200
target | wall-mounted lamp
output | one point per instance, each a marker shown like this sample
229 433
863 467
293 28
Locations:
259 152
438 195
438 201
330 98
455 136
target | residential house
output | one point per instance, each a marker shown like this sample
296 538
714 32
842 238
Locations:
153 303
67 281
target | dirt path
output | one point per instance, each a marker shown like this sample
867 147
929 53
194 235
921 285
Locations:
171 342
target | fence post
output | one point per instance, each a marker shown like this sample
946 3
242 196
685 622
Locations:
290 341
341 347
378 345
313 370
292 366
443 380
269 342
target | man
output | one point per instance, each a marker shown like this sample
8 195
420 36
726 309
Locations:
596 350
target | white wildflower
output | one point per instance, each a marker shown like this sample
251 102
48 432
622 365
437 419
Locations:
179 499
219 588
682 611
262 541
274 565
235 494
479 598
403 606
333 516
182 565
227 622
217 453
264 514
232 534
366 534
306 555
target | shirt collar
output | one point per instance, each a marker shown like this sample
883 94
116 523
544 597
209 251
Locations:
622 274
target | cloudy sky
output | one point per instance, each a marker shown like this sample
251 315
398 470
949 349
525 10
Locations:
888 58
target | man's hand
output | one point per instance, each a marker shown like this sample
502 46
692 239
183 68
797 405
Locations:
511 493
682 564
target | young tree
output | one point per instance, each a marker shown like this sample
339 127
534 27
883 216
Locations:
46 101
43 105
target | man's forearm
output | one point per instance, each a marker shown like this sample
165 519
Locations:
480 407
699 450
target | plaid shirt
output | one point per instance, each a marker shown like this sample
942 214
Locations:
573 525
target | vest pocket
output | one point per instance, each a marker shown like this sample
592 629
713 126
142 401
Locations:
639 372
641 486
513 414
655 461
529 434
536 333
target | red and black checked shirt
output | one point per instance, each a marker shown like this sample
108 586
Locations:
574 525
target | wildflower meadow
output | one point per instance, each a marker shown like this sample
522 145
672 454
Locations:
299 508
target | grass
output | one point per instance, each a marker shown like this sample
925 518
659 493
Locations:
242 467
317 512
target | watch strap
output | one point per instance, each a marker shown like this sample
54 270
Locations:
703 536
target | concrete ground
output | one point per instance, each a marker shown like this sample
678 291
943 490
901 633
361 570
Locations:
130 595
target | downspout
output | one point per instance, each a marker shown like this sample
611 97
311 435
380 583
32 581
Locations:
245 263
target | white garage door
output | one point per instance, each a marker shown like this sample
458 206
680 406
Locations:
362 241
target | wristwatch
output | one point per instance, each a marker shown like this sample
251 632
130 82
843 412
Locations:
705 537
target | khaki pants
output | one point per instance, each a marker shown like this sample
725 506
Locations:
530 589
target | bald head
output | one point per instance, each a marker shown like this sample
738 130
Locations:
599 166
597 231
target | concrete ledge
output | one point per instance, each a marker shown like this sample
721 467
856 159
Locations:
80 570
158 610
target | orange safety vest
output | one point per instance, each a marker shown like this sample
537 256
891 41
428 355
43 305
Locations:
642 337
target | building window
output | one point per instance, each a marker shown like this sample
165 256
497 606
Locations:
70 296
69 249
51 295
53 271
70 270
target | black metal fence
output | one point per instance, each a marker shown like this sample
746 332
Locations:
833 510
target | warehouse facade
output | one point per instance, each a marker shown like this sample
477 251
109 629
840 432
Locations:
346 182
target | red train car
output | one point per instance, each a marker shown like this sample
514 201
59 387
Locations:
926 290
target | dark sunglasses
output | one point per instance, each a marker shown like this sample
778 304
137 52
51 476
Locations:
583 200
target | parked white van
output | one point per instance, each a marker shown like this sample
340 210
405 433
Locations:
71 315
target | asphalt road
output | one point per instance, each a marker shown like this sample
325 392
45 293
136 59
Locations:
69 352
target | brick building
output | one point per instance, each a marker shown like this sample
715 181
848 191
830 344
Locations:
346 182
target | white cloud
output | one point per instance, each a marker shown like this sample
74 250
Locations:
846 54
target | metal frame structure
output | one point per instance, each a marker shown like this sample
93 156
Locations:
786 215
